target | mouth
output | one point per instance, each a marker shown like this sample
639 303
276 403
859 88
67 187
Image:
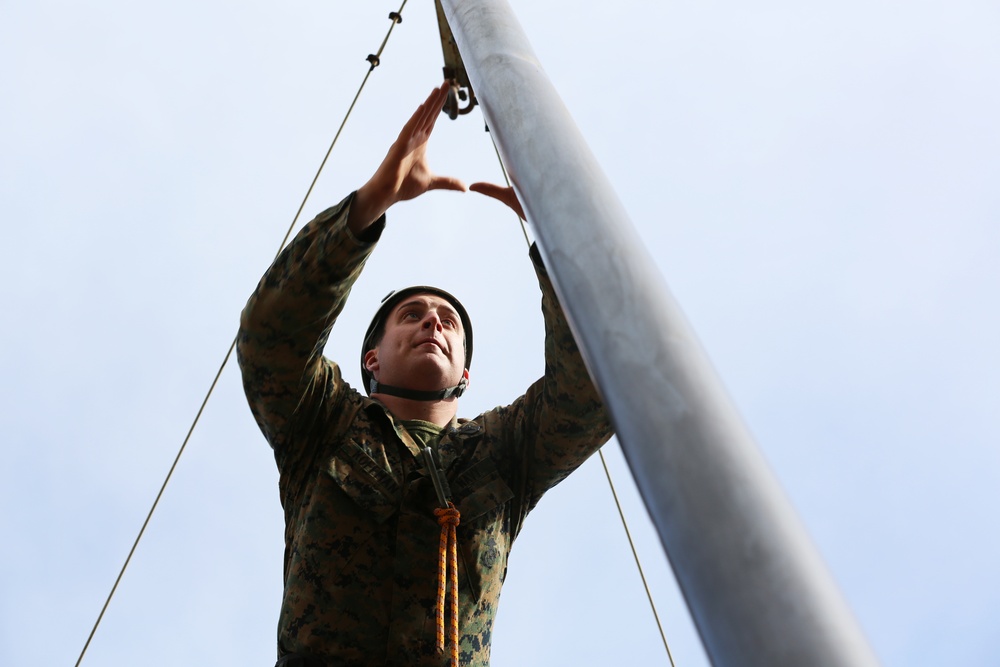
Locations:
430 341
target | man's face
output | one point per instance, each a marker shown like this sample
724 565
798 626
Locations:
423 347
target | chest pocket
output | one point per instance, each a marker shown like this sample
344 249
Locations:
483 499
365 481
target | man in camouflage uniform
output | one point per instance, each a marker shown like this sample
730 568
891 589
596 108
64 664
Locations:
361 539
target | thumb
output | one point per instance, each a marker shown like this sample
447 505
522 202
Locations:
447 183
500 193
488 189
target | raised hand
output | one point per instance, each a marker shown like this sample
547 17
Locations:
404 173
500 193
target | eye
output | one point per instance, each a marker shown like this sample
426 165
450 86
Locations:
410 315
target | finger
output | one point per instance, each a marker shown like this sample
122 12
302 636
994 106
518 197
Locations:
498 192
509 197
447 183
501 194
427 108
424 113
434 105
488 189
427 112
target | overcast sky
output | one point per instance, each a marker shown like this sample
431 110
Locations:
816 182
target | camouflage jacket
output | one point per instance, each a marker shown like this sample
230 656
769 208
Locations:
361 540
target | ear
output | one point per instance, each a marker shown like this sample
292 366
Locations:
371 362
465 376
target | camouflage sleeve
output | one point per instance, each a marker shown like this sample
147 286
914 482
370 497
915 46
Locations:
560 421
288 318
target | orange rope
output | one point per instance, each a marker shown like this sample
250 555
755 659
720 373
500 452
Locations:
448 519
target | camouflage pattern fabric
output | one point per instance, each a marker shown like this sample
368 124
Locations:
361 540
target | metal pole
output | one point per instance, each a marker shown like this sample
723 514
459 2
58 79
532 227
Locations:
756 587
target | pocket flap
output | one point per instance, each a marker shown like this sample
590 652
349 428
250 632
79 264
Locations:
486 494
364 481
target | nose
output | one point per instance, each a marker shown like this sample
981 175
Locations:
432 321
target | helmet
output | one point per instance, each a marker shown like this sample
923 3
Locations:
377 327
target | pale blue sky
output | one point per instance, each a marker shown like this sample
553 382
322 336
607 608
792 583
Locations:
817 184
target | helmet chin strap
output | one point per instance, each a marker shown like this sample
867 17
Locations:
375 387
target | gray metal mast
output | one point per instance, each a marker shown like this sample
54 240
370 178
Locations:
756 587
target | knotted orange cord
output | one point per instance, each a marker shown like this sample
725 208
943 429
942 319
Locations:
448 519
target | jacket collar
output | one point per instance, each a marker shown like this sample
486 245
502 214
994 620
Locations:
453 439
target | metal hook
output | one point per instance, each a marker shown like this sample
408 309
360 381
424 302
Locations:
437 476
456 95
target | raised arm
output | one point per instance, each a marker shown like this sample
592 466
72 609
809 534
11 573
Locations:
404 172
563 412
288 318
560 421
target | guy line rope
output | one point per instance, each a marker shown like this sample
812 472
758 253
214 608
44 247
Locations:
374 61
